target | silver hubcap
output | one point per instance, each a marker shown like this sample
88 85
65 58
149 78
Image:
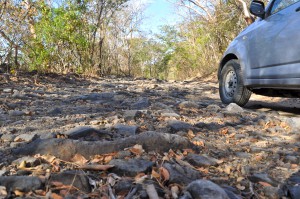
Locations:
230 83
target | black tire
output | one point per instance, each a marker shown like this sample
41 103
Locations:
231 87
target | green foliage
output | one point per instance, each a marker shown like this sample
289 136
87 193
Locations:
57 28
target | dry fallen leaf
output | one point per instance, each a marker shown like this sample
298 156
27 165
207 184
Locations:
96 167
140 178
108 158
239 179
265 184
137 149
79 159
48 158
19 193
165 175
227 169
240 187
191 134
154 174
224 131
294 166
56 196
22 165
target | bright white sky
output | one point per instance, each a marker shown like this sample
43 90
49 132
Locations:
158 13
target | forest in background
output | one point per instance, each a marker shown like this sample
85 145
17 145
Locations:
104 37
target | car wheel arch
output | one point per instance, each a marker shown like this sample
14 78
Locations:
226 59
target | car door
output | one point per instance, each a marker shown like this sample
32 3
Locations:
274 46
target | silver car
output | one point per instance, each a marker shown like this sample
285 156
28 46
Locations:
265 57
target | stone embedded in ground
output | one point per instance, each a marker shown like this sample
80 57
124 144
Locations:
262 177
106 96
14 113
55 111
30 161
181 174
21 183
293 122
132 114
176 125
142 103
213 108
8 137
66 148
25 138
76 179
131 167
81 131
232 192
170 114
125 129
234 108
205 189
201 160
272 192
292 159
123 186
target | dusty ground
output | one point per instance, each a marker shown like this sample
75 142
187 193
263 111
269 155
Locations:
117 138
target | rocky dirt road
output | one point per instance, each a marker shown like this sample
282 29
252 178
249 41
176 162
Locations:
65 136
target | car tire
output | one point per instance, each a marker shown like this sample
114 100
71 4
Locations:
231 87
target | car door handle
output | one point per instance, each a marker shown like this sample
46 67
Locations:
298 9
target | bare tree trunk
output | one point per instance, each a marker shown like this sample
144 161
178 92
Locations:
248 18
28 5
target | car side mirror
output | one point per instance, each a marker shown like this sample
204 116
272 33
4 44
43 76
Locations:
257 8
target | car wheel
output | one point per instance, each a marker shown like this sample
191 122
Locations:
231 86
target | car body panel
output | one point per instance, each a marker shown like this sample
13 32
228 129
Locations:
269 51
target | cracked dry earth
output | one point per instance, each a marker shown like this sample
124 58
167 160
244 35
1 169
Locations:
69 137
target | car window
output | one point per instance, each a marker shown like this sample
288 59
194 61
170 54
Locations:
281 4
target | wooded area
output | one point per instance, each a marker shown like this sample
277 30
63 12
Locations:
104 37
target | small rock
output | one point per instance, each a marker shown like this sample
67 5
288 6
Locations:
205 189
55 111
30 161
201 160
15 113
181 174
77 179
8 137
213 108
26 138
271 192
175 115
142 103
123 186
47 135
131 114
130 167
243 155
7 90
21 183
234 108
160 106
177 125
291 159
125 129
232 192
2 172
95 97
188 105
